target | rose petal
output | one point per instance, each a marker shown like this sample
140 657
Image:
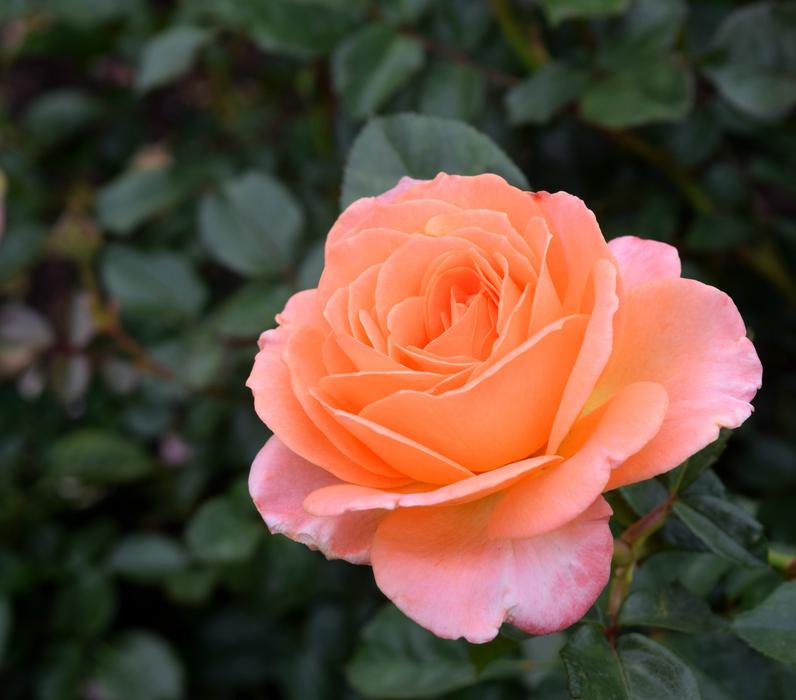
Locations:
417 461
278 483
356 390
551 497
303 356
642 261
690 338
501 416
344 498
442 570
582 242
487 191
277 406
593 355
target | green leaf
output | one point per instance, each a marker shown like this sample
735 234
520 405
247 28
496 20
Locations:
403 11
249 311
252 225
397 658
157 284
647 31
136 197
221 532
84 607
540 97
97 456
559 10
59 114
19 246
658 89
139 666
639 669
593 671
727 669
301 28
191 586
169 55
690 470
195 358
146 557
752 60
389 148
453 90
671 607
771 626
653 672
725 528
370 66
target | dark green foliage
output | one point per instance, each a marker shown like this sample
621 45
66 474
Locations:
168 172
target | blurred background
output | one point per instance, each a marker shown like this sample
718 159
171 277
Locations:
169 170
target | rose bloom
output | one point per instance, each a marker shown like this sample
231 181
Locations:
476 367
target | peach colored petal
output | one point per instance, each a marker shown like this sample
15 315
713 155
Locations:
515 328
416 461
424 361
690 338
402 275
303 357
487 191
547 305
336 311
573 224
442 570
344 498
278 483
551 497
360 301
364 357
472 334
593 355
277 406
492 230
642 261
387 211
353 391
501 416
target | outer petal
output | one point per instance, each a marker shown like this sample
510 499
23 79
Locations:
690 338
442 570
278 483
548 499
642 261
342 498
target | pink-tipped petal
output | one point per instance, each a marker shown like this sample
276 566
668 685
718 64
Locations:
440 568
690 338
643 261
278 483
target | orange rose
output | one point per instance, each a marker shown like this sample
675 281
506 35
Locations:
476 367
